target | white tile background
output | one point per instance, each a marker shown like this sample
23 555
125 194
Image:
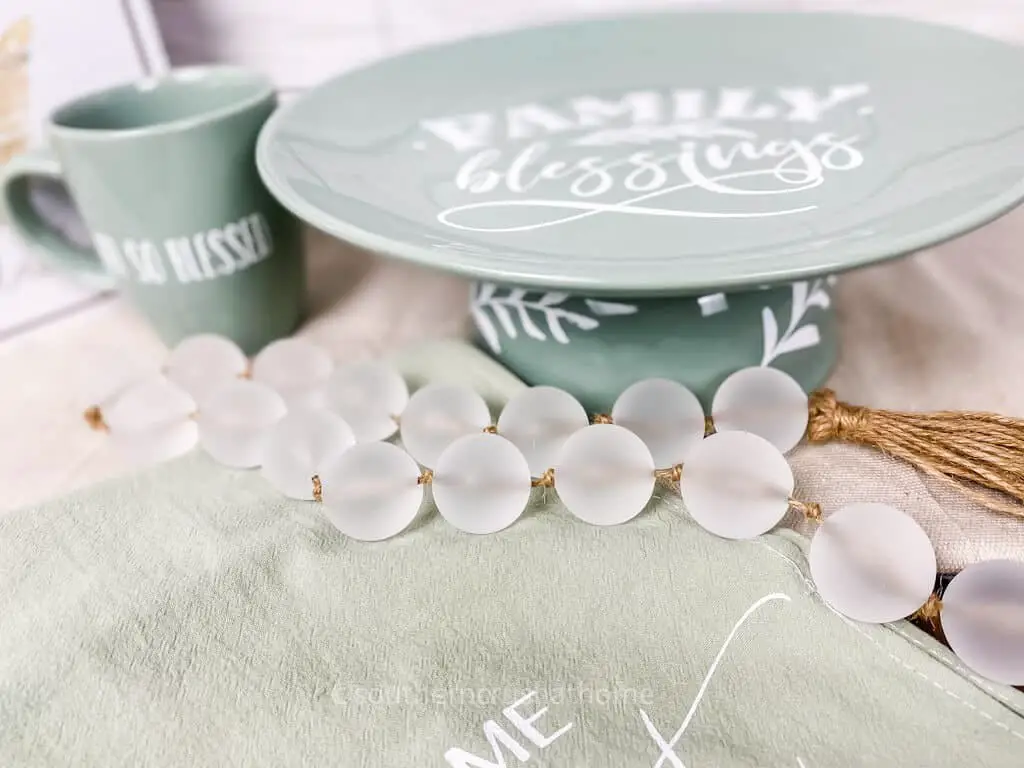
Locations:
300 42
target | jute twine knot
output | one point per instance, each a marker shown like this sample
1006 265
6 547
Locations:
318 489
831 419
930 611
546 480
94 418
670 474
809 509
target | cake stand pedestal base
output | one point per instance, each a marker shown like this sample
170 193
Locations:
596 347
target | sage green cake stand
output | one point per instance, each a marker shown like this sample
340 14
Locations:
660 195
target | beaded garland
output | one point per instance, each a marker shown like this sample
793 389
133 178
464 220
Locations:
320 432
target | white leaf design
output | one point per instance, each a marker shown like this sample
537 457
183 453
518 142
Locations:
610 308
819 296
551 299
531 328
484 292
770 328
485 327
557 332
805 337
517 299
796 337
492 311
582 322
799 304
819 299
504 319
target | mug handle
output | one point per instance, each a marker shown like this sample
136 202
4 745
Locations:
43 238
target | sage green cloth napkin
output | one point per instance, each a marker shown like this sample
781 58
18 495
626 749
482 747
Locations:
190 616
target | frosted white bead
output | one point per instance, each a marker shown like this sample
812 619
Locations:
235 421
872 563
765 401
371 492
368 396
736 485
200 364
294 368
538 421
665 415
157 444
604 474
147 404
300 445
436 416
983 619
481 483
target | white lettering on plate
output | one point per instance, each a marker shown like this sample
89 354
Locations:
686 153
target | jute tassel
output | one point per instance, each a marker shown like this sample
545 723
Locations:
970 450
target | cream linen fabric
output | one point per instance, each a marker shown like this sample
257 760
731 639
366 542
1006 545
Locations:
939 330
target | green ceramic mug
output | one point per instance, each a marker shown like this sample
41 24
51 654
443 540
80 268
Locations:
163 174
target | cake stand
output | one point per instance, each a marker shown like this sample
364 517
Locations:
664 195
